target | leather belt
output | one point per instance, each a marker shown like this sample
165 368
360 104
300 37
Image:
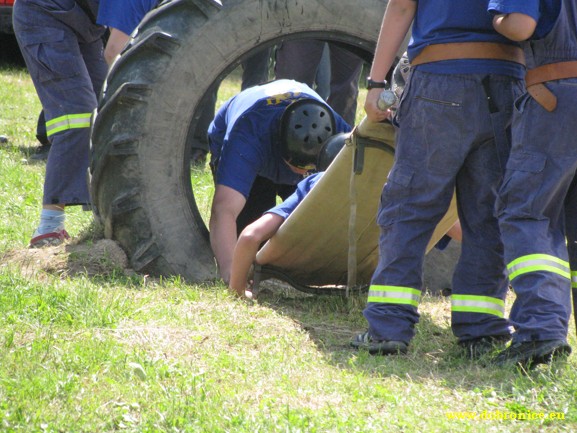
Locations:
469 50
553 71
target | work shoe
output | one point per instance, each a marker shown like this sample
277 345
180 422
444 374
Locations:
531 353
476 348
51 239
379 347
41 153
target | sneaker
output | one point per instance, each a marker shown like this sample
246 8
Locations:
476 348
531 353
379 347
41 153
51 239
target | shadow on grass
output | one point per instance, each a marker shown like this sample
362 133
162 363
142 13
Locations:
27 151
433 356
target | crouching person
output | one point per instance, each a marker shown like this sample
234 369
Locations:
262 141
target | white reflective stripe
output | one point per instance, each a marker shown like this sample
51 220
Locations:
477 304
68 121
394 295
574 279
538 263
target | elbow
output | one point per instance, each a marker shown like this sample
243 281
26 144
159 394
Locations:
516 27
250 239
517 35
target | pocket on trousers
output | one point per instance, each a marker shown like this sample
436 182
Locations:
523 179
520 102
394 195
54 55
527 162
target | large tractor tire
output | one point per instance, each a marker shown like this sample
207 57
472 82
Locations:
140 171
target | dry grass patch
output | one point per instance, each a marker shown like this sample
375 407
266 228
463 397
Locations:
99 258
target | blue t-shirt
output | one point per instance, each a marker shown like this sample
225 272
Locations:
545 12
450 21
303 188
124 15
243 136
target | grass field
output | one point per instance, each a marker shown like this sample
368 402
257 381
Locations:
111 352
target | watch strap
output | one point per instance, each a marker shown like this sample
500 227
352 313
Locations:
372 84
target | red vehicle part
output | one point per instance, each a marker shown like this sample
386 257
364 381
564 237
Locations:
6 16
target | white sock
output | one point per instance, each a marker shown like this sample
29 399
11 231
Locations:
50 221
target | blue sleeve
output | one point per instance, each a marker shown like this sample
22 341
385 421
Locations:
527 7
341 125
124 15
290 204
545 12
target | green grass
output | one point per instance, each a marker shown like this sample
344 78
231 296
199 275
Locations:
129 353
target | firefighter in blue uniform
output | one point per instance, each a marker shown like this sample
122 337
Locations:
538 199
63 49
452 118
257 233
262 142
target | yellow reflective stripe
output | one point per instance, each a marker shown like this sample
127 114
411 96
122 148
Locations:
574 279
68 121
394 295
478 304
537 263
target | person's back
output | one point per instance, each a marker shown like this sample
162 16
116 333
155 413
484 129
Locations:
538 200
452 123
244 135
454 22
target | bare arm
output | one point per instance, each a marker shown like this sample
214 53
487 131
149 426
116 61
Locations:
226 206
116 42
247 246
396 22
515 26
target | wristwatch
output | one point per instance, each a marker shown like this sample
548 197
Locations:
372 84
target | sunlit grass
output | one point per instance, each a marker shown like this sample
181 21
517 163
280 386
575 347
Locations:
130 353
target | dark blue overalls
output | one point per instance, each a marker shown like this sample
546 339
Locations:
453 136
446 140
63 49
538 208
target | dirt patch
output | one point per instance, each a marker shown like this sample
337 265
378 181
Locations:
101 257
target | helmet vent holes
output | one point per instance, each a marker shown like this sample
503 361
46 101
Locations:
303 130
